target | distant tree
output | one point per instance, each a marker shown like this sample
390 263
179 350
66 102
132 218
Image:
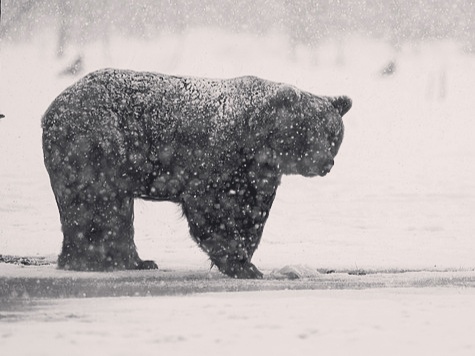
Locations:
64 28
18 11
306 21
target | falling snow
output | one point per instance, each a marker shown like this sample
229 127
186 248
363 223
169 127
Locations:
400 196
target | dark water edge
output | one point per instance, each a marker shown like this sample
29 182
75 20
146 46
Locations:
55 284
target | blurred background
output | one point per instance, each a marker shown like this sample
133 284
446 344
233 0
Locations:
402 192
303 22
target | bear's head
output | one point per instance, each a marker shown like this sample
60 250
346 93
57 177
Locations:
305 130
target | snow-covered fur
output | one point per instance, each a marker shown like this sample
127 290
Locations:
216 147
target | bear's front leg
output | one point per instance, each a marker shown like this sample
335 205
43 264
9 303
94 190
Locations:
228 226
231 257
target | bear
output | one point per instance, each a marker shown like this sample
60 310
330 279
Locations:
216 147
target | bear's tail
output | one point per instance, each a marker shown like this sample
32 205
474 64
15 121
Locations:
341 103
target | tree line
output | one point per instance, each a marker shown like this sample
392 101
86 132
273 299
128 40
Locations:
304 21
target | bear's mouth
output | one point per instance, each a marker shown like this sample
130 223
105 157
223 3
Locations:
320 171
313 173
318 168
310 172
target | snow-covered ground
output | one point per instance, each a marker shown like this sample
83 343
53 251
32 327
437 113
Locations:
434 322
401 196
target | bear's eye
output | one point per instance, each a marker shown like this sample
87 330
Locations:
333 133
334 127
332 140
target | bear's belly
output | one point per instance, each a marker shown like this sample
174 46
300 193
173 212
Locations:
165 187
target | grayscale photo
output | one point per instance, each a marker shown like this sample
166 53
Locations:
220 177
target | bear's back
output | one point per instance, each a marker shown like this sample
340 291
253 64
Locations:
166 106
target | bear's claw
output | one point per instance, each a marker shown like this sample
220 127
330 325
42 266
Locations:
249 271
241 270
149 264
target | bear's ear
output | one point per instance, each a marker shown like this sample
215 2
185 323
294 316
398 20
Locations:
270 108
341 103
285 96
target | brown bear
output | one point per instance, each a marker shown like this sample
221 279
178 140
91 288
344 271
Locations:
216 147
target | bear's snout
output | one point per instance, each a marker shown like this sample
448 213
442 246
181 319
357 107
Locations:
317 166
328 166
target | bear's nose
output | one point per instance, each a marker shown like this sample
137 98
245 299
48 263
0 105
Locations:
328 166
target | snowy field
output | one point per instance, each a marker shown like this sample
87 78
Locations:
398 322
400 197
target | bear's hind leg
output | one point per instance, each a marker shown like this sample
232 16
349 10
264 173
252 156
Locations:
98 235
